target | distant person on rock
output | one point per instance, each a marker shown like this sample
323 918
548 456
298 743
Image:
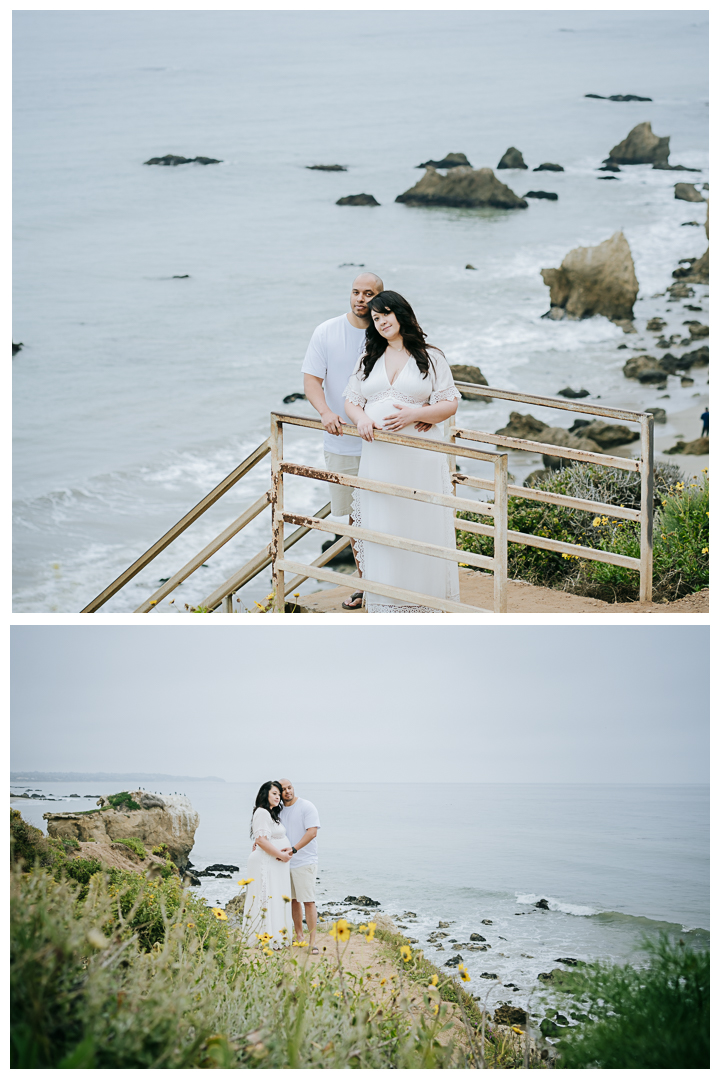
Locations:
705 417
301 821
329 362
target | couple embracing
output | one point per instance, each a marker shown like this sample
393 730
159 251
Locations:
372 367
282 868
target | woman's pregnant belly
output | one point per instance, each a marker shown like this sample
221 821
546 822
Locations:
379 410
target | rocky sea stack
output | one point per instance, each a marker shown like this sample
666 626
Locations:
450 161
134 815
641 147
594 281
511 159
358 200
462 186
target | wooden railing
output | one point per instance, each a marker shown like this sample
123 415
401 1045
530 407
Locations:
274 554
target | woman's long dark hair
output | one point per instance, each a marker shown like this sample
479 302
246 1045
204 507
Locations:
414 338
262 803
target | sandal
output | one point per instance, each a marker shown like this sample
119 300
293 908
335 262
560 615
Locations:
351 604
315 950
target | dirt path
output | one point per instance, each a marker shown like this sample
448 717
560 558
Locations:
477 589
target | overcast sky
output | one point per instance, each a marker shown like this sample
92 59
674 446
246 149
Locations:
538 703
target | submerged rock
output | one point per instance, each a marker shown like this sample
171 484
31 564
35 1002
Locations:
655 323
477 937
618 97
461 186
595 281
646 369
540 195
509 1015
680 291
175 159
698 447
289 398
358 200
327 168
466 373
698 272
511 159
450 161
548 166
543 904
568 392
688 193
641 147
697 358
17 346
609 167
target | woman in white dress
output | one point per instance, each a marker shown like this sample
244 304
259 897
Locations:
267 901
402 385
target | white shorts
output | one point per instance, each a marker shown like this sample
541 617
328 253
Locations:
302 883
341 496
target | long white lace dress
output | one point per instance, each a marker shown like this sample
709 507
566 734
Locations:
412 468
266 910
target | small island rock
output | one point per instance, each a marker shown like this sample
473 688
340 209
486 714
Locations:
511 159
547 166
641 147
175 159
358 200
327 168
688 193
461 186
450 161
540 195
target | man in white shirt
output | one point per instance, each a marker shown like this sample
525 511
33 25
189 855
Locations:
329 362
301 821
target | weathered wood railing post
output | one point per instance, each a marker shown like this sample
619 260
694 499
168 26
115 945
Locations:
501 533
277 542
647 479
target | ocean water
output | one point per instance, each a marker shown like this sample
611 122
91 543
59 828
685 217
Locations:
616 863
136 392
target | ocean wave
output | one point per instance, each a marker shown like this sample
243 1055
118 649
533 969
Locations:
556 905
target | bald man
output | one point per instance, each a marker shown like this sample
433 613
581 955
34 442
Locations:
301 821
329 362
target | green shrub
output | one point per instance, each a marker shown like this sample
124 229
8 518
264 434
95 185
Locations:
163 850
681 534
123 799
80 870
654 1018
135 845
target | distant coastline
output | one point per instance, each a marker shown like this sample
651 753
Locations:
59 777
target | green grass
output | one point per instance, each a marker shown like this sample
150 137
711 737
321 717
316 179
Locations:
654 1018
135 845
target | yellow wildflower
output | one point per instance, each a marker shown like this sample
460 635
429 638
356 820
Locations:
245 881
263 938
268 952
300 944
519 1030
383 982
370 931
219 914
191 926
434 980
406 953
340 930
362 927
705 551
463 973
338 994
286 898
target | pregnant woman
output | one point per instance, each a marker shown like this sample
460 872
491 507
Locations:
267 901
402 385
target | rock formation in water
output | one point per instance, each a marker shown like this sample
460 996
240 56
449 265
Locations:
170 820
511 159
528 427
688 193
175 159
461 186
467 373
594 281
450 161
698 447
618 97
358 200
641 147
327 168
547 166
606 435
648 369
540 195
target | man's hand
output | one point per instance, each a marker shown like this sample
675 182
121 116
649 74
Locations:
423 427
332 422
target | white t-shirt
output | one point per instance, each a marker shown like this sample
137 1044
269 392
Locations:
332 355
297 819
